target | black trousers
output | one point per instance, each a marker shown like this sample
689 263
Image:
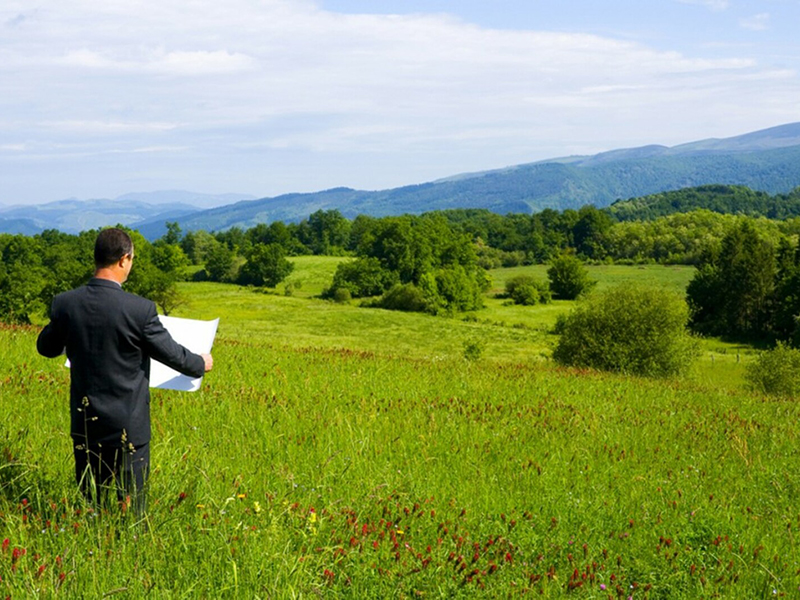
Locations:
100 470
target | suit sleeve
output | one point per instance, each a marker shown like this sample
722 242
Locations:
160 346
52 339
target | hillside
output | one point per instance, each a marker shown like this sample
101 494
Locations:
724 199
766 161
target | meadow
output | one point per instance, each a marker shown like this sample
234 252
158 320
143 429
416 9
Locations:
339 451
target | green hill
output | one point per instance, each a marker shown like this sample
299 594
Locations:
724 199
767 161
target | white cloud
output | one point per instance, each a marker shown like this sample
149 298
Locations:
106 127
86 59
165 149
203 62
716 5
759 22
170 77
189 63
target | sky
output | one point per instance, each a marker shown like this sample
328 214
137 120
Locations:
99 98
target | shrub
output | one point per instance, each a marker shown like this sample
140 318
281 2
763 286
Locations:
776 372
473 349
527 290
406 297
342 296
513 259
363 277
454 289
568 278
640 331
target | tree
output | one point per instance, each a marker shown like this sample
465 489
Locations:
731 294
196 245
568 277
325 232
173 235
266 266
165 294
170 258
589 231
22 278
786 317
220 262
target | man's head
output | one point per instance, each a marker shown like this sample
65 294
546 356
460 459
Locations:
113 254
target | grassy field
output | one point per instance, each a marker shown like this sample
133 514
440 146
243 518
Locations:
337 451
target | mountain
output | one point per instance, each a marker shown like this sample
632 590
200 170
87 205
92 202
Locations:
74 216
184 197
766 160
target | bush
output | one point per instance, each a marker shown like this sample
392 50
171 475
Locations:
473 349
527 290
342 296
568 278
513 259
776 372
406 297
363 277
641 331
453 289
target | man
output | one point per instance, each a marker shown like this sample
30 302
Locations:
109 337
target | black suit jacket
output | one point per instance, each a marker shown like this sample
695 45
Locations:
109 336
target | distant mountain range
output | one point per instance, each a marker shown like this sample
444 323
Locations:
134 210
766 160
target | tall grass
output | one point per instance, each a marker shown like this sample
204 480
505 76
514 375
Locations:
392 468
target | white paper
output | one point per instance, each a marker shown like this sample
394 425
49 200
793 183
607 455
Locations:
197 336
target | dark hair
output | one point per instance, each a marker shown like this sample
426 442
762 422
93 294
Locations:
111 245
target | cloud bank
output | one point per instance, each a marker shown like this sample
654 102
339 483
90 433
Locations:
274 83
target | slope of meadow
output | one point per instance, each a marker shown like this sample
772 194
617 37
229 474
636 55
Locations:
339 451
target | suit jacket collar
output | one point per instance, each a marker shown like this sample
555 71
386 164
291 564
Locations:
104 283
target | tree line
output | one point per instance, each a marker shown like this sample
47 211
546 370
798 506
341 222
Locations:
437 262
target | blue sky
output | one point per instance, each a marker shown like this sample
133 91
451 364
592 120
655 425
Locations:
103 97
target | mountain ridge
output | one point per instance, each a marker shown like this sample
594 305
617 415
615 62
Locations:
767 160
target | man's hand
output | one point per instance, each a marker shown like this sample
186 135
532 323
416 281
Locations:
209 361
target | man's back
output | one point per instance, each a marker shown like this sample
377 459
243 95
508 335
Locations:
109 336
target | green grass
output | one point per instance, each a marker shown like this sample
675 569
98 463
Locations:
349 452
311 275
675 277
